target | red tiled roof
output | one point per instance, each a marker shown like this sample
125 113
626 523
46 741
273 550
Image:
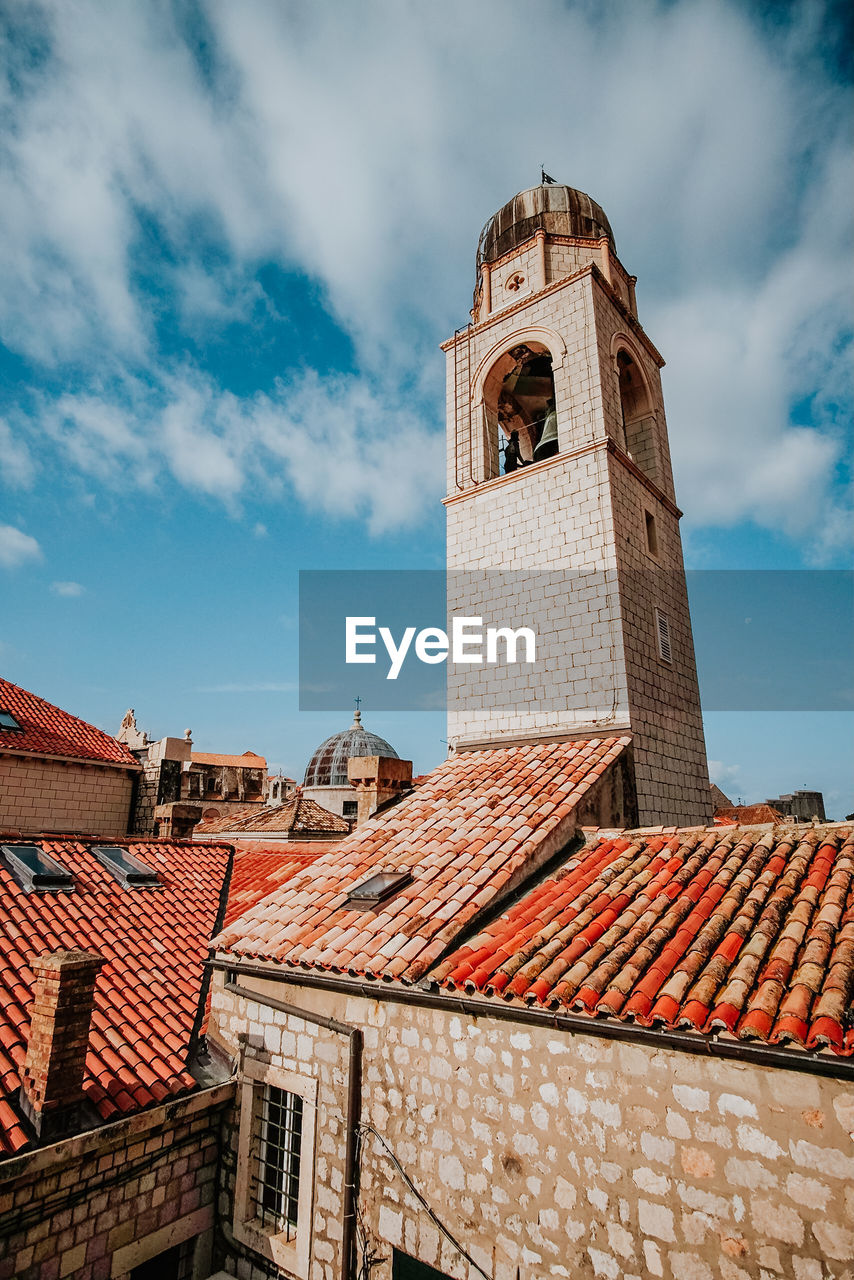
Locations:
473 829
47 730
259 872
248 760
296 814
155 942
748 815
745 933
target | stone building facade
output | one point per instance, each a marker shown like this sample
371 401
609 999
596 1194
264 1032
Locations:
58 773
549 1152
64 796
99 1205
179 787
583 539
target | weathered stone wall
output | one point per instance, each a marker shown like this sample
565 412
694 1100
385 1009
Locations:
98 1205
552 1154
52 795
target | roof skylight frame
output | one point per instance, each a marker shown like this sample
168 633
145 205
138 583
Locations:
8 723
378 887
128 870
35 870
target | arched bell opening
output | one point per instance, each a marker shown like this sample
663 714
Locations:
638 421
519 406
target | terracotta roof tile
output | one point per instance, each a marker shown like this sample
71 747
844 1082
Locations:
298 814
498 812
249 760
155 942
47 730
730 930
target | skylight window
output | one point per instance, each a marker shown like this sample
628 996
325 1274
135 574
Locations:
128 870
34 871
378 887
8 721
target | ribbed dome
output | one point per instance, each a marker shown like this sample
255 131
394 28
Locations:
328 766
559 210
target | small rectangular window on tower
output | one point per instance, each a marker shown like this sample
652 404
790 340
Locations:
662 629
651 534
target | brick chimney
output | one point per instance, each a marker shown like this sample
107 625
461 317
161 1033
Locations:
52 1079
377 779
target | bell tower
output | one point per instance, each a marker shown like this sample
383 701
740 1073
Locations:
561 509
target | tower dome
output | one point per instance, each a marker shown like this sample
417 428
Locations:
328 765
557 210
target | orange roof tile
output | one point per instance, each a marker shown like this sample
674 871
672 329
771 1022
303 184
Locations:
258 872
155 942
728 930
248 760
297 814
49 731
474 829
749 815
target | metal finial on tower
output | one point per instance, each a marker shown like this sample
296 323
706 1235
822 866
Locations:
546 179
357 715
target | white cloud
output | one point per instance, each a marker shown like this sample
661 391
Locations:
365 145
724 775
16 463
70 590
344 446
16 547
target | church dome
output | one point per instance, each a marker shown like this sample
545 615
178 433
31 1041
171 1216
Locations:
555 209
328 766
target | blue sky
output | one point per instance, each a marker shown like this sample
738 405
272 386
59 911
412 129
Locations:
232 238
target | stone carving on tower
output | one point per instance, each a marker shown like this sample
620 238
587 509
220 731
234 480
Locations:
561 505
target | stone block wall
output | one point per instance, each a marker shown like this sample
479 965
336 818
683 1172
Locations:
536 549
552 1154
98 1205
52 795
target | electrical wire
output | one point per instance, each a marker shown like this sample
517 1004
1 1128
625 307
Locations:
437 1222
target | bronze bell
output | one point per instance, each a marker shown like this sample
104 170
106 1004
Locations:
547 445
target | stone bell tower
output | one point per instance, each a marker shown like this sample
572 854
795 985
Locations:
561 508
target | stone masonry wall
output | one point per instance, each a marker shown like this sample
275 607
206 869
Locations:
50 795
97 1205
549 1154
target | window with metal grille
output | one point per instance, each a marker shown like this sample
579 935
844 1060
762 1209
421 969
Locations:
662 627
277 1191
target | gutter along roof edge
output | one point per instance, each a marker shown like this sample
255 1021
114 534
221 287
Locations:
820 1064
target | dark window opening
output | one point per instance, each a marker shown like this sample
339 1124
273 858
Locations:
519 402
638 421
277 1193
406 1268
34 871
350 808
124 867
173 1264
8 721
651 534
